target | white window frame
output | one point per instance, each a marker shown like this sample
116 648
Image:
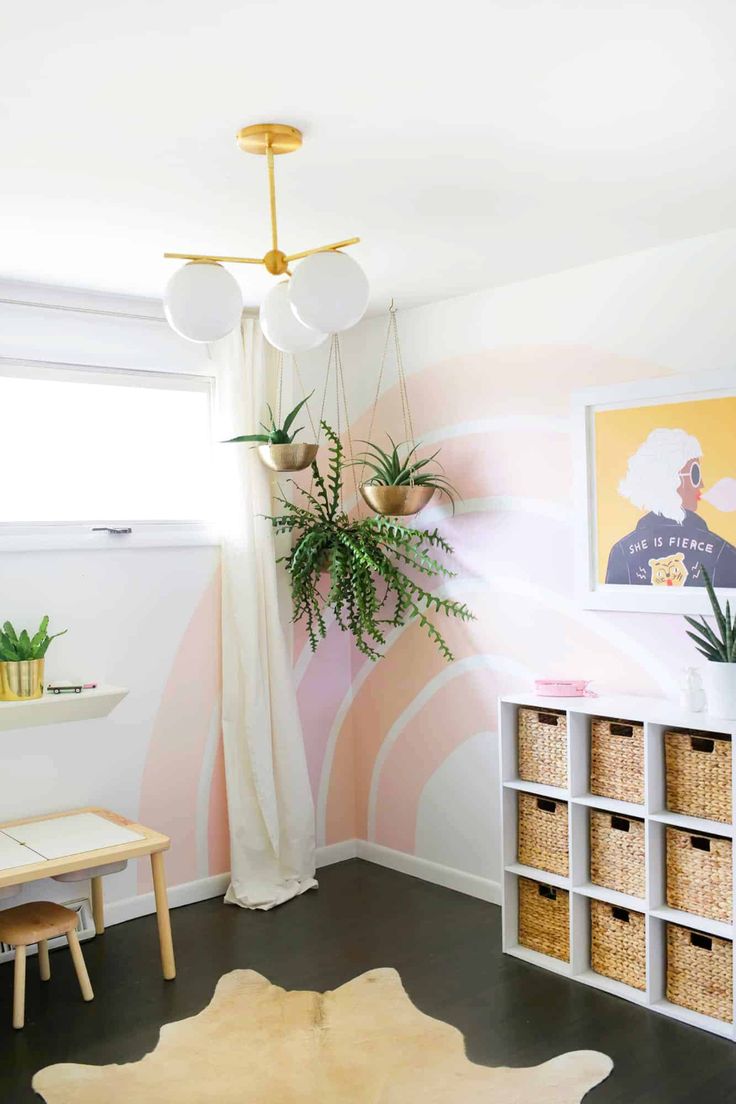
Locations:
58 535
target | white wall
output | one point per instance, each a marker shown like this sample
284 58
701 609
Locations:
147 619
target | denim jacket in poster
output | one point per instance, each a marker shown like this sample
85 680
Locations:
663 552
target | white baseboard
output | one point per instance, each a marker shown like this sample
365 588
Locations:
117 912
337 852
188 893
449 877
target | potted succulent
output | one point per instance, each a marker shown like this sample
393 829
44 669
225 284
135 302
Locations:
399 487
374 566
277 449
22 658
719 648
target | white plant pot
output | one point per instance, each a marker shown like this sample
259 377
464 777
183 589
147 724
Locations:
720 688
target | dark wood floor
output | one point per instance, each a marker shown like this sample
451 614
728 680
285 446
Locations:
446 947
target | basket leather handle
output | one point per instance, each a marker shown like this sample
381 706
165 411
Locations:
621 824
548 718
546 805
622 730
700 843
701 743
548 891
704 942
620 914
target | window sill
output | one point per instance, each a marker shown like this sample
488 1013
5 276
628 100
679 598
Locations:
43 537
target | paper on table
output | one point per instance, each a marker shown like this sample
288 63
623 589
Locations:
14 854
71 835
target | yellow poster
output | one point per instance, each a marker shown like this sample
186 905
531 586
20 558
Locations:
665 493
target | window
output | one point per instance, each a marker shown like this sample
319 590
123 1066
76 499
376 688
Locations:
95 447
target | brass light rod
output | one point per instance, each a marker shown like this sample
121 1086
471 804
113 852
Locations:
268 139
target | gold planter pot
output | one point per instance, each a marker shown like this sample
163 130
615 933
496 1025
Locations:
21 680
287 458
396 501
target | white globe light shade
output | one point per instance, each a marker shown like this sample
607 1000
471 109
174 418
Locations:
281 326
329 291
203 301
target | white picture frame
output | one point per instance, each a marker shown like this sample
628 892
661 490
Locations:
590 592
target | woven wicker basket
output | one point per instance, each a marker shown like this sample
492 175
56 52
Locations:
544 919
542 746
617 852
617 759
618 947
698 774
700 874
542 836
700 972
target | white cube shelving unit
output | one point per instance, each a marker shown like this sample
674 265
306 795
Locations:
657 715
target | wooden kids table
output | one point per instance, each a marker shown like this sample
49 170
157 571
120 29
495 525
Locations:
59 843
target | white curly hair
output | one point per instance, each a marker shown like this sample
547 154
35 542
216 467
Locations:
653 473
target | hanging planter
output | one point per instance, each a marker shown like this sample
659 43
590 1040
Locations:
399 487
277 449
287 458
395 501
369 587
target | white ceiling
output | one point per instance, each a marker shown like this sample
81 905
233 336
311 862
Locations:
467 143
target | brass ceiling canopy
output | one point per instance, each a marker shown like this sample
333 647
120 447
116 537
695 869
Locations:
268 140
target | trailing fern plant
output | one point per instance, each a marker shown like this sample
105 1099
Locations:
273 434
717 648
390 470
16 647
368 591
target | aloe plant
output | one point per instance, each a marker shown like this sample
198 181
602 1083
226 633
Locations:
274 435
390 470
718 647
16 647
368 590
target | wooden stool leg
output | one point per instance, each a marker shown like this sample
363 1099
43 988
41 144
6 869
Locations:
79 966
166 944
19 988
44 966
98 905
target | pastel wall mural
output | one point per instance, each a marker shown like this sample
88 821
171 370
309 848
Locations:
402 752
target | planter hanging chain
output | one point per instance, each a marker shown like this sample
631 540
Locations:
393 331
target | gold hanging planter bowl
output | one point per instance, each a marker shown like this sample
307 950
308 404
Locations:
396 501
287 458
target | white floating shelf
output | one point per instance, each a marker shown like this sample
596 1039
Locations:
56 708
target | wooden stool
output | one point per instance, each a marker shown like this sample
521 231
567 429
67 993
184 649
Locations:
37 922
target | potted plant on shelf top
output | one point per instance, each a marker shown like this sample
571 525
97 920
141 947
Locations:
22 659
719 648
369 592
277 449
399 487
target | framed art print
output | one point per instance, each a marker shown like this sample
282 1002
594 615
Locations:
656 501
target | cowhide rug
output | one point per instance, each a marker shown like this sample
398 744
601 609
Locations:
364 1043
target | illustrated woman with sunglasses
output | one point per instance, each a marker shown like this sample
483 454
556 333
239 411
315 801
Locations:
671 543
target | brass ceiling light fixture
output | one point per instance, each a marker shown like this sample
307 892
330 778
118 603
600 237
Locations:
327 293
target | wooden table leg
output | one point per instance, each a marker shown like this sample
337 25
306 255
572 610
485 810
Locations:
19 988
168 964
98 905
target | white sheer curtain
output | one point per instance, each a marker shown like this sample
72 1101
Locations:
270 804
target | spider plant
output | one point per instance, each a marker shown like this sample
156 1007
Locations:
364 558
390 470
274 435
